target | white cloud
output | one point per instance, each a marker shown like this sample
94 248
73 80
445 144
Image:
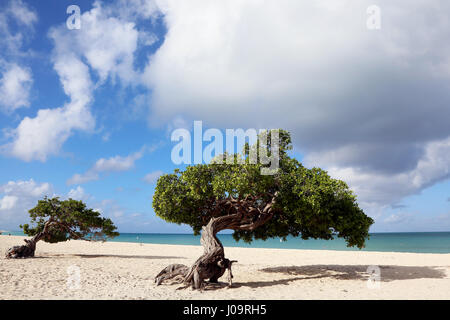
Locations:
106 42
147 39
15 80
83 178
117 163
15 85
22 13
39 137
18 197
27 188
8 202
152 177
112 164
25 17
77 194
377 188
371 106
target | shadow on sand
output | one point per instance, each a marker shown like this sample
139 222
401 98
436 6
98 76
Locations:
125 256
87 256
339 272
360 272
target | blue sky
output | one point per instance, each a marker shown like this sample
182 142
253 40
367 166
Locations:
87 113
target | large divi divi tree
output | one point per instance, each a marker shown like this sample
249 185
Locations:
292 201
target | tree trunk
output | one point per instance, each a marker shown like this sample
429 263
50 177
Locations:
212 264
27 250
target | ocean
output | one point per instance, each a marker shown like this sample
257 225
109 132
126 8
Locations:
415 242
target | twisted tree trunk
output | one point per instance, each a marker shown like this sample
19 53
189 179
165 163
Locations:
212 264
27 250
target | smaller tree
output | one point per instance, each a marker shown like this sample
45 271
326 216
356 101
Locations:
55 221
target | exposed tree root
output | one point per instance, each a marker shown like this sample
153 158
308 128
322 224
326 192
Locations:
25 251
212 264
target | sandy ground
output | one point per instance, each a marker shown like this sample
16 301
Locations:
114 270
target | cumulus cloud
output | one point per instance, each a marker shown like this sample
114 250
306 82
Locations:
112 164
77 193
15 85
43 135
28 188
15 79
22 13
79 178
152 177
117 163
39 137
387 189
24 17
369 105
8 202
17 197
105 45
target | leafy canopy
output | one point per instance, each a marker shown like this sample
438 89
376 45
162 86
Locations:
309 203
68 219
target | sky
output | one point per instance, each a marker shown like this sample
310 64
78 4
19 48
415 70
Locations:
88 102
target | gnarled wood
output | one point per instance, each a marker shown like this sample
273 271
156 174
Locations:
212 264
27 250
171 271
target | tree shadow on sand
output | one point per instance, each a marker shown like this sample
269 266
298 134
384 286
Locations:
87 256
339 272
344 272
44 255
125 256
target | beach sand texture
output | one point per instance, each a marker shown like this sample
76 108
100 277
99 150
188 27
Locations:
117 270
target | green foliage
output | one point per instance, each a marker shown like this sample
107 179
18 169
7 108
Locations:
309 203
70 219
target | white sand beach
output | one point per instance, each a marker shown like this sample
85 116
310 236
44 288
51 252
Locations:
115 270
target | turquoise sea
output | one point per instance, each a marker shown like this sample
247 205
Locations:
420 242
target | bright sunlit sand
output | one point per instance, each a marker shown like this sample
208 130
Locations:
115 270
